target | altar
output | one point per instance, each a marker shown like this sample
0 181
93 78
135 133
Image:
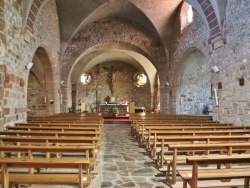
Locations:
105 108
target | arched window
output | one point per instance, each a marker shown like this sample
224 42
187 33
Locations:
186 15
140 79
85 78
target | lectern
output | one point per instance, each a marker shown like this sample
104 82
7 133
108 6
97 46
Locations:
132 107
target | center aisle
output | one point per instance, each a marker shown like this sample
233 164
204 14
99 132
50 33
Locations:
122 163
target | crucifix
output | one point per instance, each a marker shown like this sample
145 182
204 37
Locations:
113 79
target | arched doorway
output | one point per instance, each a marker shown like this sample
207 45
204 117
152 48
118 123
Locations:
41 100
195 85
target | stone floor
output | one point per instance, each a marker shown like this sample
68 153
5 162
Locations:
122 162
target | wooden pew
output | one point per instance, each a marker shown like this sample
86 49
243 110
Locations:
137 124
180 140
88 151
65 122
154 116
77 179
144 130
44 141
61 124
47 141
51 133
68 120
53 128
77 115
191 177
154 139
227 147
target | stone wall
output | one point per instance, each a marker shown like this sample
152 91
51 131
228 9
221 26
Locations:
232 59
124 89
47 35
193 38
14 57
36 104
2 80
195 92
16 53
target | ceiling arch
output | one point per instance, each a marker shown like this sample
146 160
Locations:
77 19
118 52
100 35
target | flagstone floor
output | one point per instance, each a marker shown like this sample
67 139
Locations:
122 163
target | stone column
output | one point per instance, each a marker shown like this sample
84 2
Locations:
2 75
2 66
164 99
66 100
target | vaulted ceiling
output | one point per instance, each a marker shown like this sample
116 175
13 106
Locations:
155 16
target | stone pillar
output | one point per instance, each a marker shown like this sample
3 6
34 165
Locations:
2 22
164 99
73 96
2 79
66 99
152 101
2 67
98 97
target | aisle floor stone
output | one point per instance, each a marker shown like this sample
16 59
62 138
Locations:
122 163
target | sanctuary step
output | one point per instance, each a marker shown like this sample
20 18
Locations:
119 118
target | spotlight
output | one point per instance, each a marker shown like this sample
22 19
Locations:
28 66
215 69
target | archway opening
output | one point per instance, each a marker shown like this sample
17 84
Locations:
121 55
40 95
195 85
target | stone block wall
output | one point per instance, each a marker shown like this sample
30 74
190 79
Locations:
232 59
47 35
195 92
124 89
16 53
2 80
36 103
193 38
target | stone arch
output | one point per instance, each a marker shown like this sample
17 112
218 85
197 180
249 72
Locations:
208 9
119 52
42 70
193 87
101 32
34 10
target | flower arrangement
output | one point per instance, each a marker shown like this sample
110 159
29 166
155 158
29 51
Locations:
114 110
124 101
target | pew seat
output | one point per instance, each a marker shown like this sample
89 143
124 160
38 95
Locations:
79 179
59 179
192 177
